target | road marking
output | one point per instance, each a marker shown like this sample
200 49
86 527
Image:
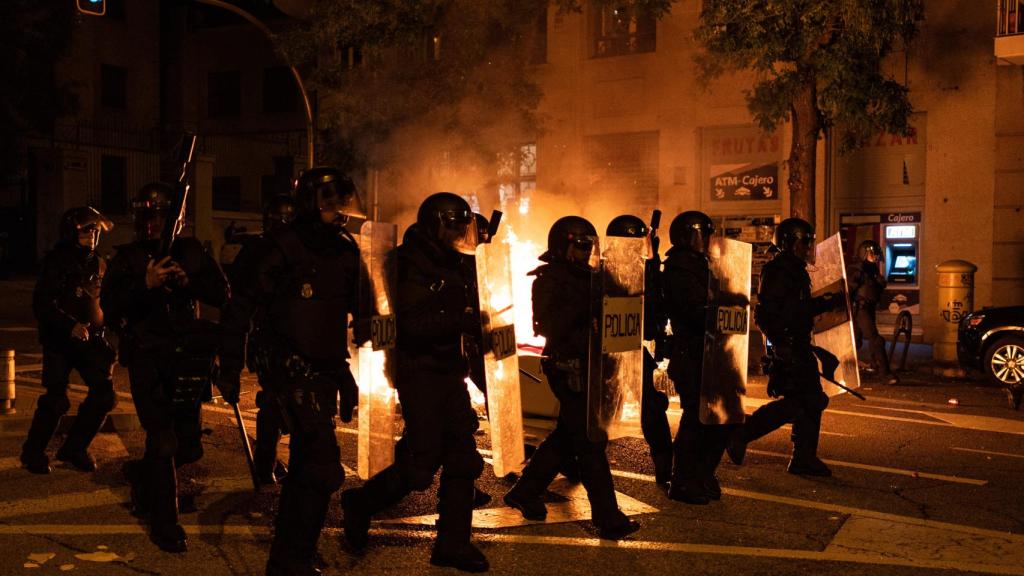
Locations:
885 469
835 555
112 529
35 367
575 509
990 452
826 432
17 328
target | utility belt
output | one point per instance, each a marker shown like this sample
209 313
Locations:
189 375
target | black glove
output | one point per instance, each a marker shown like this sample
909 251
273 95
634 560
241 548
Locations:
349 392
230 386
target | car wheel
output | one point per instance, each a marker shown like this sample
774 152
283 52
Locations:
1004 361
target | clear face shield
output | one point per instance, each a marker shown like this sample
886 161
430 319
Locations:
700 237
584 252
337 208
89 226
457 230
803 247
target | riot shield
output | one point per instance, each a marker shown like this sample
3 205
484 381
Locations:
375 332
501 362
727 334
833 329
615 375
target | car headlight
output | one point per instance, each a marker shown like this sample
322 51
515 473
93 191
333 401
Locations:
975 320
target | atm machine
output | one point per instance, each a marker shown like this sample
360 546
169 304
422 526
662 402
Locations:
900 252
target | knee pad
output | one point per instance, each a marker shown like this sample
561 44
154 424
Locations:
55 403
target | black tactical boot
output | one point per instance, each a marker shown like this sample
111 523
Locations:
462 556
169 537
808 466
531 508
712 488
480 498
356 520
79 458
35 462
619 530
737 446
689 492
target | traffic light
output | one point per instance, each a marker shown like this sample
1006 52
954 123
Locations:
92 7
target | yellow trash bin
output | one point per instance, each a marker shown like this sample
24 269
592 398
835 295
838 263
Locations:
7 382
956 298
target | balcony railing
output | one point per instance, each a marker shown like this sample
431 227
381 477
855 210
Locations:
1010 19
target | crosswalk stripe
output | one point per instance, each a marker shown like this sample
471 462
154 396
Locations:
988 452
884 469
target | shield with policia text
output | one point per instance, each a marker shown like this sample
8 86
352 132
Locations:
615 375
727 334
833 328
375 332
501 361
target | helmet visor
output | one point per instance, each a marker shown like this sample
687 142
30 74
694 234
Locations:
458 230
342 204
584 251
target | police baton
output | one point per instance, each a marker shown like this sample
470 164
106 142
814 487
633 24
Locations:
844 387
530 376
248 448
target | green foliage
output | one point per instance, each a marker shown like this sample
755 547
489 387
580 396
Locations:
33 35
458 69
837 46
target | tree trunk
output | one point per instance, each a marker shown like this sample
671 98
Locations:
804 153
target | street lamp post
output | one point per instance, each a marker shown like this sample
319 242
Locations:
310 146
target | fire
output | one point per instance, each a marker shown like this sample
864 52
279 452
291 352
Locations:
524 255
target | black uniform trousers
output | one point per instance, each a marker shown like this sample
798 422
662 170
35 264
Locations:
569 439
173 435
801 404
865 326
314 467
268 427
439 427
698 447
653 419
94 361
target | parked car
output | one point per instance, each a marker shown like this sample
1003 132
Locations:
992 340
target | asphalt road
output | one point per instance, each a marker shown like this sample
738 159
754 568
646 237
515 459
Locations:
919 486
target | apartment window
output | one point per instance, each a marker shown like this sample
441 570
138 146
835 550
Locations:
517 177
224 97
227 193
279 91
113 87
1011 18
622 28
623 168
113 184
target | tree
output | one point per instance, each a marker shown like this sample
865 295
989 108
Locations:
818 65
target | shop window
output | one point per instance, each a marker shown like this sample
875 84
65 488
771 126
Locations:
113 87
224 93
279 91
621 28
227 193
113 184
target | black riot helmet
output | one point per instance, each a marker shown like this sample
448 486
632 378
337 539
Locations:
151 208
447 218
692 230
869 248
573 239
795 236
628 226
327 194
82 226
279 212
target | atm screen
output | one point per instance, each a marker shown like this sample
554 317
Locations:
904 263
903 267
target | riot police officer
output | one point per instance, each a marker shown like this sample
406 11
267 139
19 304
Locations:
653 420
278 213
152 301
866 283
435 314
698 447
561 313
785 314
66 302
302 284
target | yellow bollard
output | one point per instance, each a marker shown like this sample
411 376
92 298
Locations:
956 298
7 382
